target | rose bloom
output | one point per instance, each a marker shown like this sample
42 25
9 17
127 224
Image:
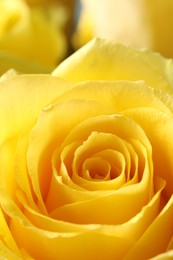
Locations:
31 35
138 23
86 169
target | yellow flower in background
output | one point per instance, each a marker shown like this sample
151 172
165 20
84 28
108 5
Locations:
32 35
9 60
47 2
86 168
137 23
70 14
41 2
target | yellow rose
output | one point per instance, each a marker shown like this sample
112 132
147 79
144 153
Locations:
86 169
135 23
32 34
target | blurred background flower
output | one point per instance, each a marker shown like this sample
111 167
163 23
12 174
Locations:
70 12
138 23
34 34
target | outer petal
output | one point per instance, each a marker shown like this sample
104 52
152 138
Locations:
104 60
54 245
22 98
161 227
158 127
7 237
121 95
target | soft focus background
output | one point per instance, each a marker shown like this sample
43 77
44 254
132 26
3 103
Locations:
36 35
138 23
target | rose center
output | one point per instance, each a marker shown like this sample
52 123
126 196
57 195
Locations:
96 168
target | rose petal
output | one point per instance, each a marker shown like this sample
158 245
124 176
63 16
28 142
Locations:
32 95
121 95
161 227
7 237
91 63
158 127
42 144
54 244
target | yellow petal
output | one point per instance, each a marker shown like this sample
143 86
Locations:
92 61
121 95
7 159
76 212
5 253
170 245
28 94
93 146
161 227
113 208
5 233
28 233
158 127
54 244
23 187
42 144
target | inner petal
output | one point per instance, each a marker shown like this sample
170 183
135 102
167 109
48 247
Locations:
98 142
96 168
116 160
107 138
